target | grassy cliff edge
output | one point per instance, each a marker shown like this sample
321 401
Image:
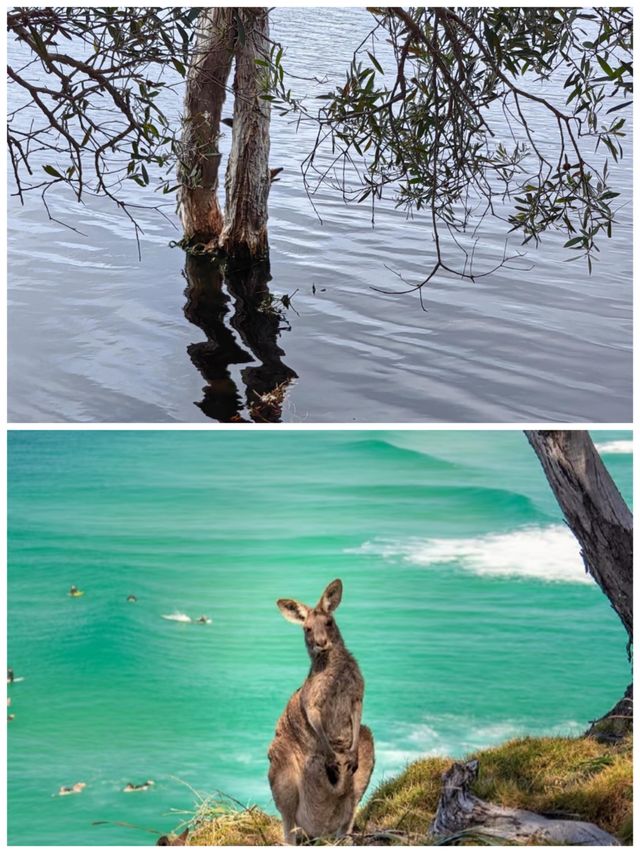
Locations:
577 778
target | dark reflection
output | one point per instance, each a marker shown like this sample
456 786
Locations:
249 336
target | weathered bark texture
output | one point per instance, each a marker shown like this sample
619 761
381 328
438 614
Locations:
459 810
224 34
247 182
199 155
616 723
603 525
595 511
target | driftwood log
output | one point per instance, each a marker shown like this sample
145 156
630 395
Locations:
459 810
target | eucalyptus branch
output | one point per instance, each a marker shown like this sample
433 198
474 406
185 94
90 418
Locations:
430 135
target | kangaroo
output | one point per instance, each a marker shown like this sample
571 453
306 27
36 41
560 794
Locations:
321 758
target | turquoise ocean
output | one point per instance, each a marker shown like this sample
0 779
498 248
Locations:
465 602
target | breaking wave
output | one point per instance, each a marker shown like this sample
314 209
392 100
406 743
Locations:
544 553
615 447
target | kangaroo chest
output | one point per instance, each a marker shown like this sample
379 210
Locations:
335 694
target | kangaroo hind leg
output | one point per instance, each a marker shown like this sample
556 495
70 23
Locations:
285 792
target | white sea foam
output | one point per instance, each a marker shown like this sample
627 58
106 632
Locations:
177 617
545 553
456 736
615 447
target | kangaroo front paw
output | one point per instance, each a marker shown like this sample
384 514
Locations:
352 762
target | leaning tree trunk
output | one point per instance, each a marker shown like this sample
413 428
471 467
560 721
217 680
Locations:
603 525
247 181
199 155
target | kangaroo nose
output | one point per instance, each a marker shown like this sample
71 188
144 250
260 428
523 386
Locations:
321 642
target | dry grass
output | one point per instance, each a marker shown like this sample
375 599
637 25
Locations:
224 824
569 777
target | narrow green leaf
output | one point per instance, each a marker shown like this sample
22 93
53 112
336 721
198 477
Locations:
608 70
51 171
376 64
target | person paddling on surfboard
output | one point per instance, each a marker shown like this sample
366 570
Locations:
10 675
143 787
78 788
74 592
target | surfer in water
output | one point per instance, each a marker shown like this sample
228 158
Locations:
72 789
10 676
132 598
144 787
204 620
74 592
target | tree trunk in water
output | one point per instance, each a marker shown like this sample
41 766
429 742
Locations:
199 156
247 181
603 525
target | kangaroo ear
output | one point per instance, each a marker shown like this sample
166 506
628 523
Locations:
293 611
331 597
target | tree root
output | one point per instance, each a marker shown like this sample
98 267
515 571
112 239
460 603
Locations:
616 723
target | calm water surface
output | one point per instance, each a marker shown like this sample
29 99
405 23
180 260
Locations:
465 602
96 335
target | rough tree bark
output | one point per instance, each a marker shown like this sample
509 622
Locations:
247 181
225 34
199 155
603 525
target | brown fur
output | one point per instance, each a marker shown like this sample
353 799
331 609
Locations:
321 758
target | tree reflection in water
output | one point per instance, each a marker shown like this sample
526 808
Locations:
249 336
